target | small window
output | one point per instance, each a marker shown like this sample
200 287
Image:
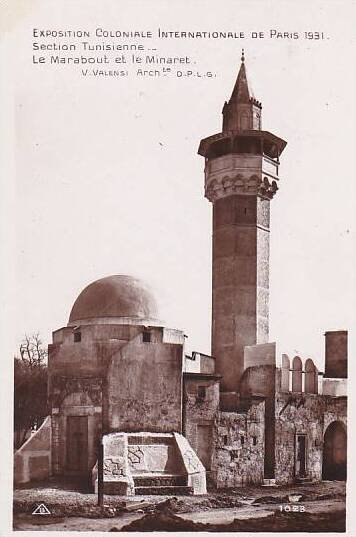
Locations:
146 336
77 337
254 441
201 392
225 438
242 440
234 454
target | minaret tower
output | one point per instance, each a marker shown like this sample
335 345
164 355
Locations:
241 178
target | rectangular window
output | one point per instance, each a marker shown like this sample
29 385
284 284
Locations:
146 336
234 454
77 337
254 440
201 392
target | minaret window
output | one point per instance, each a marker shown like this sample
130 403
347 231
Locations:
77 337
146 336
201 393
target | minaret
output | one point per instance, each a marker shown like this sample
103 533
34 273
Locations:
241 177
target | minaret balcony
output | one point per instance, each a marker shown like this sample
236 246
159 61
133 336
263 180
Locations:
255 142
243 174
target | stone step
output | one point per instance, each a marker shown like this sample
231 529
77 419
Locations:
164 491
269 483
159 480
305 480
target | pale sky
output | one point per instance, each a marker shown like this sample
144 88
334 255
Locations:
107 179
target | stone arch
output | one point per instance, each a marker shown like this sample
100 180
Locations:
311 377
285 373
76 399
297 374
335 452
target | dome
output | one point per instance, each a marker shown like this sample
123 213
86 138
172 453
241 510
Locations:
114 299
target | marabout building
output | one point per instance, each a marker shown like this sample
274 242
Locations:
173 423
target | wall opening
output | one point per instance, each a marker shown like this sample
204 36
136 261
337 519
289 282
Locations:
201 393
77 337
146 336
77 445
335 452
301 456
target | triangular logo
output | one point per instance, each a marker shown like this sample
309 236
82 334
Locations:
41 509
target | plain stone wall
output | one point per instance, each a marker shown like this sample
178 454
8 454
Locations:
238 457
335 387
262 354
144 387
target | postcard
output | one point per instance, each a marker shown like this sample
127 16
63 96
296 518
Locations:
178 216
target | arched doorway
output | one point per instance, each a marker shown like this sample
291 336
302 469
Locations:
335 452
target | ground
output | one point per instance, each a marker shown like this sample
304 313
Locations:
312 507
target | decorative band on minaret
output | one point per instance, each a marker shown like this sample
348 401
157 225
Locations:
241 177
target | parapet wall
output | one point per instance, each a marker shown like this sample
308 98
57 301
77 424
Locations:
299 376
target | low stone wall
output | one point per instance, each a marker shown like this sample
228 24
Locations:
33 460
116 468
193 466
148 456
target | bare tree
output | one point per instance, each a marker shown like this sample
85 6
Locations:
30 387
32 351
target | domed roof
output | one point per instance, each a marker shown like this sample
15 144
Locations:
117 296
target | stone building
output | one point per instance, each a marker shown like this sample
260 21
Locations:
170 422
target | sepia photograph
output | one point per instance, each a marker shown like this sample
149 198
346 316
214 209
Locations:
179 296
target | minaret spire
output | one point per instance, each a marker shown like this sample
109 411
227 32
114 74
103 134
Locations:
243 111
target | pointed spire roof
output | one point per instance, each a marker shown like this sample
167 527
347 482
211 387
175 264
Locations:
243 111
242 92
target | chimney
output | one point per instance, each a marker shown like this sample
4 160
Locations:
336 354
